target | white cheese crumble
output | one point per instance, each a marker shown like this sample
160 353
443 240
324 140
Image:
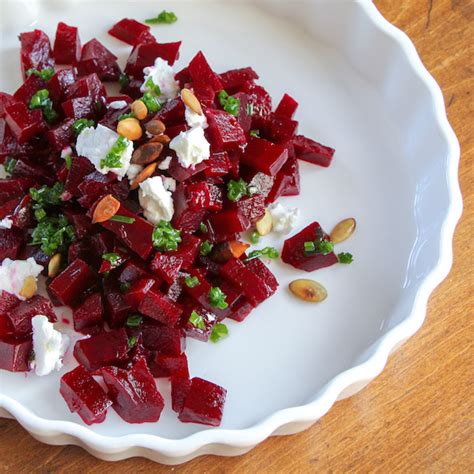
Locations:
95 143
169 184
284 219
118 104
3 173
195 120
49 346
165 164
133 171
6 223
191 147
156 201
14 272
66 152
162 75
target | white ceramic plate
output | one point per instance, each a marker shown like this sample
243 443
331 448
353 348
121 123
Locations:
362 89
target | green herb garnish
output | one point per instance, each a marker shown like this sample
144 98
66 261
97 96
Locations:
53 234
114 156
255 133
132 341
206 248
46 195
318 246
249 109
152 87
68 160
124 287
203 228
10 164
230 104
163 18
191 281
237 189
165 237
134 320
269 252
79 125
345 258
126 116
197 320
151 102
217 298
124 81
309 247
113 258
123 219
41 100
254 237
45 74
219 331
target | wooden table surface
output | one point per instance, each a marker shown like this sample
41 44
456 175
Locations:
418 415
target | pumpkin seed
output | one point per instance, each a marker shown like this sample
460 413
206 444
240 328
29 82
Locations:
54 265
343 230
308 290
265 224
155 127
191 101
145 174
147 153
107 207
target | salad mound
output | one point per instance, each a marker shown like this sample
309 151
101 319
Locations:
133 207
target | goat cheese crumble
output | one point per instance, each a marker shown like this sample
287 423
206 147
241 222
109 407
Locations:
14 272
118 104
161 74
95 143
195 120
284 219
156 201
165 164
49 346
191 147
133 171
6 223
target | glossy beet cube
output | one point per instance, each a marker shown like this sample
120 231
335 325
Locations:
131 32
67 44
22 214
61 136
5 101
59 84
137 236
294 253
185 217
133 392
226 223
259 99
7 303
20 316
144 55
15 353
96 58
11 241
11 188
96 185
218 165
234 79
24 123
9 145
224 130
171 113
105 348
84 396
287 181
69 285
29 88
34 171
263 272
180 174
116 307
80 107
255 289
264 156
163 339
251 207
89 313
204 403
137 292
287 107
203 330
179 391
163 365
132 271
166 266
35 51
157 306
80 168
241 310
313 152
187 250
202 74
280 129
89 86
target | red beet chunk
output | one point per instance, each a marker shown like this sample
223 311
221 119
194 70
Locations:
131 31
14 354
7 303
105 348
204 403
254 288
225 223
287 107
133 392
166 266
13 188
144 55
11 241
21 216
96 185
29 169
263 272
218 165
96 58
69 285
203 330
67 44
163 339
35 51
117 308
259 99
260 182
20 317
235 78
157 306
24 123
61 136
264 156
187 250
313 152
5 101
60 83
179 391
179 173
185 217
137 236
241 310
294 254
89 313
202 74
80 107
251 207
244 118
80 168
280 129
171 113
9 145
287 181
132 271
89 86
84 396
137 292
224 130
26 91
204 196
168 365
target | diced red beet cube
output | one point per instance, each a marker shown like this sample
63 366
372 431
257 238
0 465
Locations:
163 339
35 51
96 58
179 173
105 348
79 107
226 222
179 391
255 288
313 152
137 236
133 392
185 218
34 171
280 129
171 113
259 99
241 310
204 195
203 330
260 182
80 168
117 308
14 354
28 89
7 303
96 185
244 118
235 78
187 250
67 44
11 241
287 181
89 313
24 123
163 365
22 216
132 271
137 292
294 253
13 188
131 31
157 306
61 136
251 207
287 107
263 272
264 156
5 101
218 165
102 242
202 74
21 315
204 403
9 145
205 94
166 266
84 396
224 130
89 86
60 83
144 55
69 285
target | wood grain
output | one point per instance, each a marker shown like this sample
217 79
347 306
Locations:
418 415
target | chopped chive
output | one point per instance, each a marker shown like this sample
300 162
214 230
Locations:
124 219
219 331
345 258
203 228
68 160
206 248
255 133
79 125
217 298
10 164
309 247
269 252
197 320
134 320
165 237
163 18
132 341
124 287
112 257
191 282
